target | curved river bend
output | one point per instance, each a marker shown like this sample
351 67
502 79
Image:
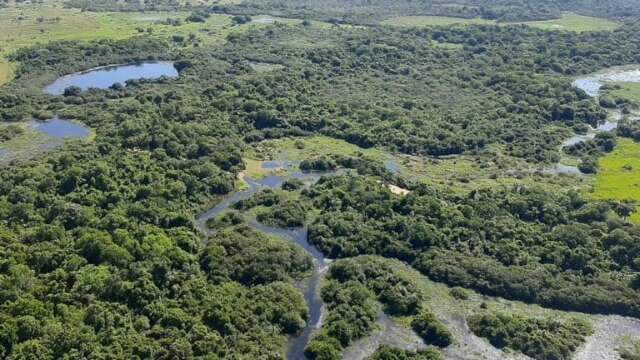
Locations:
296 235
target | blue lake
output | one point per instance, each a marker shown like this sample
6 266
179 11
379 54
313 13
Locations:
103 78
62 129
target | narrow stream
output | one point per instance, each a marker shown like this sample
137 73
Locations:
296 235
591 85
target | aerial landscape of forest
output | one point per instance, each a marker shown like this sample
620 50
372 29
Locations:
320 179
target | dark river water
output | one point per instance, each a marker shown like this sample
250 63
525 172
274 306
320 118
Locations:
298 236
104 77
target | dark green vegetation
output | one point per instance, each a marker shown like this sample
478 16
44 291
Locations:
388 353
541 339
248 257
558 250
10 132
631 352
629 129
590 150
361 11
354 291
100 254
431 330
279 211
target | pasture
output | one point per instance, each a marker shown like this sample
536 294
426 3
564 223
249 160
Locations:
619 175
575 22
628 90
420 21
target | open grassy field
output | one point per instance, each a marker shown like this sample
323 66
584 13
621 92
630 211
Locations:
27 25
20 27
628 90
568 22
457 173
619 175
23 26
6 71
432 21
575 22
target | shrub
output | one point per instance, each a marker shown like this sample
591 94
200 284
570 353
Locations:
431 329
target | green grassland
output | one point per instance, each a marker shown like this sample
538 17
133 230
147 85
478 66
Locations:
575 22
619 175
433 21
568 22
458 173
6 71
23 26
28 139
628 90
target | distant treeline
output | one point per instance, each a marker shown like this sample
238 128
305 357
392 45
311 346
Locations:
368 11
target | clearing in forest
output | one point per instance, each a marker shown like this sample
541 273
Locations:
433 21
619 174
575 22
628 90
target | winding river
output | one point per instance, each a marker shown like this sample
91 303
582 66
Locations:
591 85
296 235
608 328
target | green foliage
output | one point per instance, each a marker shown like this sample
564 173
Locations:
353 292
318 164
292 185
386 352
459 293
630 352
100 255
542 339
558 256
243 255
9 132
359 11
101 258
288 214
431 329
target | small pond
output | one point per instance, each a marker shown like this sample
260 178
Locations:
104 77
61 129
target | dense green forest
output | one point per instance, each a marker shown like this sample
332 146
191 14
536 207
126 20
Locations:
101 254
558 250
541 339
